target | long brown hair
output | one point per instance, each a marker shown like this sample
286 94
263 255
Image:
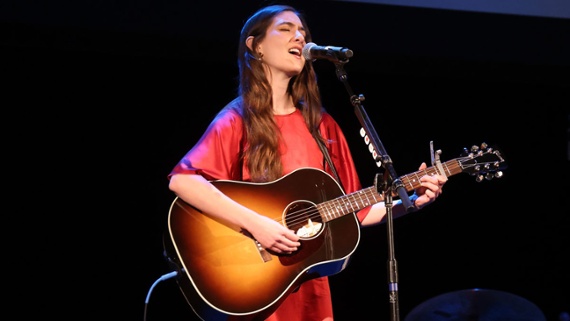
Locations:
261 155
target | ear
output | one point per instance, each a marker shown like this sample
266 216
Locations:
249 42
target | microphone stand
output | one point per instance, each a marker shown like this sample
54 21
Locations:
389 186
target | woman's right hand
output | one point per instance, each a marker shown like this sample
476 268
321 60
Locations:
273 236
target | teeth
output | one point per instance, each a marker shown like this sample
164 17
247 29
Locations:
295 51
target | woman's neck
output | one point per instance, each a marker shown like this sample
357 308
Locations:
282 101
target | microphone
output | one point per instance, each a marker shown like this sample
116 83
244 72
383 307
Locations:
312 51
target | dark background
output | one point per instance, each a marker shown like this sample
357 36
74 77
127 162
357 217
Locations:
101 100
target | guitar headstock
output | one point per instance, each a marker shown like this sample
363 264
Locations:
483 162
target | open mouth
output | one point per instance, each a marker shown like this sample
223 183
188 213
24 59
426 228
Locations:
295 51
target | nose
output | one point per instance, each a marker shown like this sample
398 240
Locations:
299 36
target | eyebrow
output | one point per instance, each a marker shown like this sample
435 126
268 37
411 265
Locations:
290 24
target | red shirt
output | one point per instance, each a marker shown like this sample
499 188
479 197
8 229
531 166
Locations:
217 156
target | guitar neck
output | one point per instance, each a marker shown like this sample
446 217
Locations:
358 200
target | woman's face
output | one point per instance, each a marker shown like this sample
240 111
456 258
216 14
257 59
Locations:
283 45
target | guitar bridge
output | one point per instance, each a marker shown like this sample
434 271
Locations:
265 256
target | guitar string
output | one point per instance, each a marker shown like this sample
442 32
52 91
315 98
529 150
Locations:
452 167
314 213
335 206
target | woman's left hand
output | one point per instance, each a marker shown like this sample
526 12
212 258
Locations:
431 188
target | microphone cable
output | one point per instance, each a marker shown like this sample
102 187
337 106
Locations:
162 278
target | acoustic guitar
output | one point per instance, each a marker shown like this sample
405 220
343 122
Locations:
224 272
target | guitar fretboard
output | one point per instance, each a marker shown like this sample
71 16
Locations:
356 201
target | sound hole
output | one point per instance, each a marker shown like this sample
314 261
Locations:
304 218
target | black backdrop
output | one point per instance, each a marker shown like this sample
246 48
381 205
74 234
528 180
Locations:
102 99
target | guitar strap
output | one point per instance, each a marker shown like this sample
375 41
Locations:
325 152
